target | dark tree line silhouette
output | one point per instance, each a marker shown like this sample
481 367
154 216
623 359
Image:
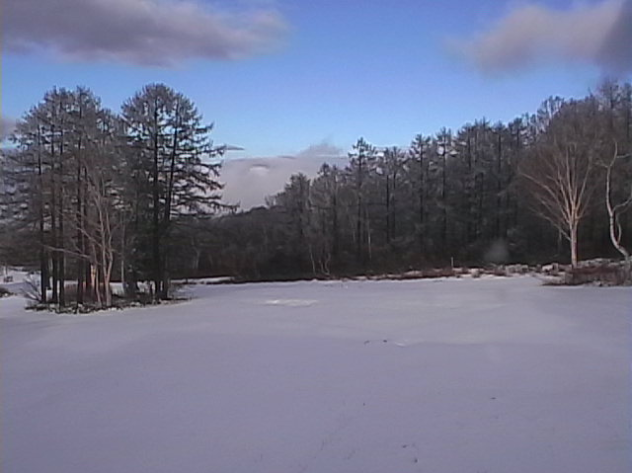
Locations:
532 190
94 196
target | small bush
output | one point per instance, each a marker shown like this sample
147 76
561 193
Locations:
408 275
499 271
518 269
552 269
603 274
438 273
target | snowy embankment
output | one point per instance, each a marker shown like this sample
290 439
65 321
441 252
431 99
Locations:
489 375
15 280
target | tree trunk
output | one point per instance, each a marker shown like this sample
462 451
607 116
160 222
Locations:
336 232
42 235
444 210
79 218
573 243
388 209
156 259
422 209
61 253
616 232
499 211
53 225
87 266
80 239
359 212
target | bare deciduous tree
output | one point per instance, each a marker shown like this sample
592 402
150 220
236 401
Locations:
616 209
560 170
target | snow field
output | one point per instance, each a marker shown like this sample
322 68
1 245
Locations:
442 376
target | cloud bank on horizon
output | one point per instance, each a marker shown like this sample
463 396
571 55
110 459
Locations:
248 181
7 124
139 32
598 34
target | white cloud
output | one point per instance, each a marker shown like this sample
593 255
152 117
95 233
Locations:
142 32
7 124
250 180
599 34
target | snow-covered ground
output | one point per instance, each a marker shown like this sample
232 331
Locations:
15 279
440 376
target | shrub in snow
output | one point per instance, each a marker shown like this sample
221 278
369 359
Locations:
552 269
438 273
518 269
602 272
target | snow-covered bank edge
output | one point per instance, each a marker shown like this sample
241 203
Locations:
599 272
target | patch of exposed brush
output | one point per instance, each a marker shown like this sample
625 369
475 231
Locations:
597 272
88 308
89 304
459 272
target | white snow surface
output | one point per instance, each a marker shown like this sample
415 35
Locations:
442 376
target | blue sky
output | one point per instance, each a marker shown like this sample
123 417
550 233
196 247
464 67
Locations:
324 71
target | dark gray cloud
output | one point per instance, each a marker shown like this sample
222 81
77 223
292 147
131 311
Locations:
599 34
143 32
616 51
249 181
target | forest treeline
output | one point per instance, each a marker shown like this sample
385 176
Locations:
532 191
95 196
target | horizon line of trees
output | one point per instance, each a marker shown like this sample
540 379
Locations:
94 196
90 193
552 185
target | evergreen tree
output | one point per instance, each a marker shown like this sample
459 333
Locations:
173 172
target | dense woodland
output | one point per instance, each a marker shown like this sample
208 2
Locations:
95 196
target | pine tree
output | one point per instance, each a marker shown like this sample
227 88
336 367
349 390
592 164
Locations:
173 172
